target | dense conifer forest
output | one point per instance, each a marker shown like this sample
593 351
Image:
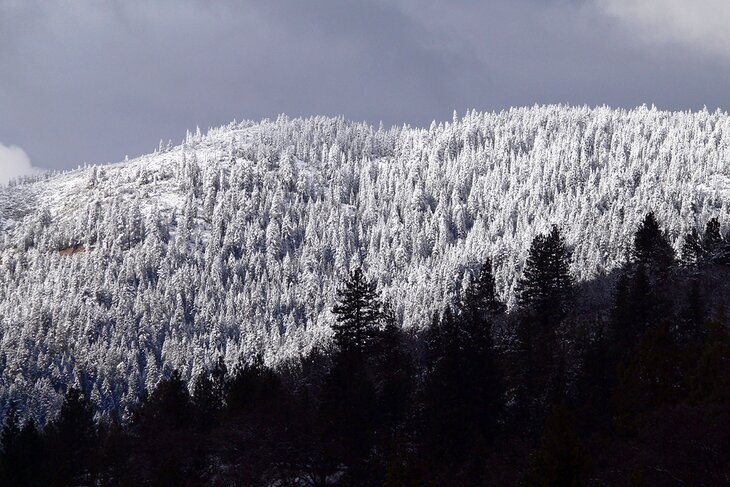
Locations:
623 379
233 243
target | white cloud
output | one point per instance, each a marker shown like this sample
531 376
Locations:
700 24
14 162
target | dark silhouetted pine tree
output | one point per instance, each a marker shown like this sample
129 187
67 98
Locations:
72 441
480 298
692 249
710 247
209 390
545 292
393 371
651 245
444 430
480 365
547 284
252 384
116 446
168 405
206 403
348 407
633 311
9 474
24 455
465 387
712 240
358 313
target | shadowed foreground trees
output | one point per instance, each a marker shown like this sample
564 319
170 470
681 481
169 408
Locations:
464 386
564 390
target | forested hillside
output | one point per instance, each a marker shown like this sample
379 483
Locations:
623 380
234 242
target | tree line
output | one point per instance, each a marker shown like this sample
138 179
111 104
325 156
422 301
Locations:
624 380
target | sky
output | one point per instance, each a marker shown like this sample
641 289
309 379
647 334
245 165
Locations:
88 81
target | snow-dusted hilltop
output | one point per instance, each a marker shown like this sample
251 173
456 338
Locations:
234 242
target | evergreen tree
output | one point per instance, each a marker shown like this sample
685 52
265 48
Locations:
712 239
693 250
115 454
168 405
547 283
464 386
24 456
651 245
445 432
480 299
393 372
206 402
160 423
633 312
72 441
358 313
700 249
349 397
545 291
251 385
480 366
11 429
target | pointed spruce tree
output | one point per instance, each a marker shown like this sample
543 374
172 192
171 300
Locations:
358 313
651 257
349 399
712 239
651 245
393 369
444 430
24 455
464 386
546 285
480 365
209 391
481 297
710 247
692 249
9 461
633 311
544 292
72 440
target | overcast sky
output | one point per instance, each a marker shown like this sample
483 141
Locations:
91 81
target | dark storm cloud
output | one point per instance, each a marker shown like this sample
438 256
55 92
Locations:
93 81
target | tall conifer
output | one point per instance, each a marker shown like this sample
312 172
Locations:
358 313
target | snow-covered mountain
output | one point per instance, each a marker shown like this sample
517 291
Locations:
234 242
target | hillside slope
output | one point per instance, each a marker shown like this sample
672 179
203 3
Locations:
234 242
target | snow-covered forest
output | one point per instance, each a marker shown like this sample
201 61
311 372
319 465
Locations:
235 241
